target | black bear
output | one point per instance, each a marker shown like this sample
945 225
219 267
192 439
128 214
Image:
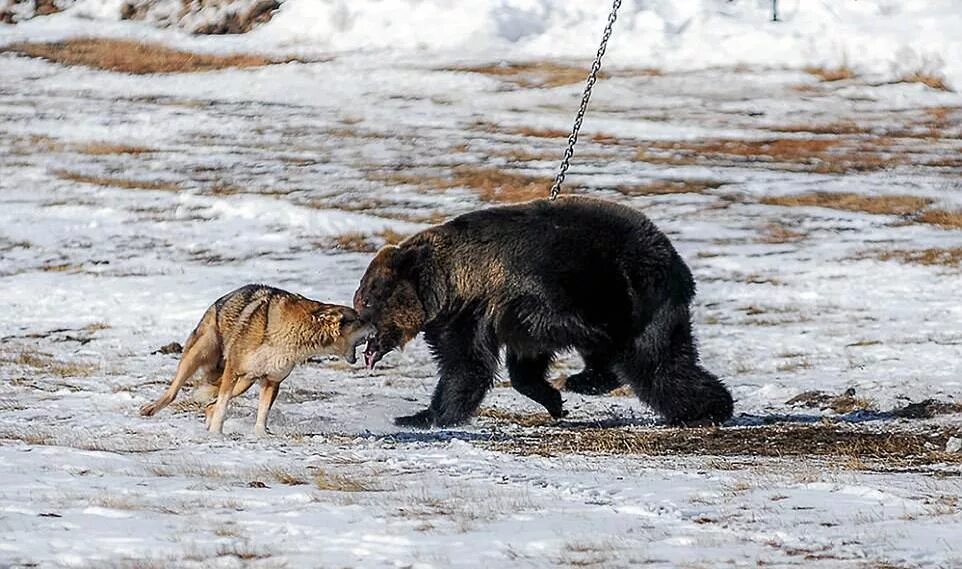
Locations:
539 278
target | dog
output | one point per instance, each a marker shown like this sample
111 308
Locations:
258 333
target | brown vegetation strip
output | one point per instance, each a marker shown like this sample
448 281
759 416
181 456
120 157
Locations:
491 184
817 155
885 205
929 257
128 56
125 183
539 74
895 447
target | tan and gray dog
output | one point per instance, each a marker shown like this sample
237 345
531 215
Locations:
259 333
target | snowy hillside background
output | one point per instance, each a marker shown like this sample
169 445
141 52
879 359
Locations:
889 38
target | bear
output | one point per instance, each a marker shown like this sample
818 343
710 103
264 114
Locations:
538 279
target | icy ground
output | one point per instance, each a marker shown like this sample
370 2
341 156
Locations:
128 204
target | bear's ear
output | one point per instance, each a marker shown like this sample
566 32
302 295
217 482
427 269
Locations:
409 260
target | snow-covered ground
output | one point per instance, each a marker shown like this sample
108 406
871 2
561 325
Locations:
128 204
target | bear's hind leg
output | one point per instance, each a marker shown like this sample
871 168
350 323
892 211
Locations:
528 378
662 368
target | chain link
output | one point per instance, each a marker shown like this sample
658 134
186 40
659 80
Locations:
589 84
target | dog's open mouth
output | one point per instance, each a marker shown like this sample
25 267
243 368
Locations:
351 355
373 352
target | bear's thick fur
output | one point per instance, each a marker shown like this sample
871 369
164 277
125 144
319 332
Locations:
540 278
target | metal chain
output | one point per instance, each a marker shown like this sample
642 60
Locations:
589 84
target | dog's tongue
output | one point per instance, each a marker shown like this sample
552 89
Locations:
370 355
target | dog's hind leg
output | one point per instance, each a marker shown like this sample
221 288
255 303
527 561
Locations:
218 411
202 350
241 385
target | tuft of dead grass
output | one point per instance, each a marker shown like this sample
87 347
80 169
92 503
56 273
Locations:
830 74
339 483
927 78
128 56
882 205
124 183
776 233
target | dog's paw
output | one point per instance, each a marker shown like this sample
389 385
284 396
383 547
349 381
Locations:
422 420
148 410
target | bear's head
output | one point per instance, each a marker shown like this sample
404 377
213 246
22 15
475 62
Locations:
387 298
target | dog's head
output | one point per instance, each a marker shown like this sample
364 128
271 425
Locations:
341 328
387 298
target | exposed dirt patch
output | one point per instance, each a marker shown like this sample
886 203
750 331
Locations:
881 205
128 56
895 448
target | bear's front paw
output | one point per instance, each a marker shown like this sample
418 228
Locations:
422 420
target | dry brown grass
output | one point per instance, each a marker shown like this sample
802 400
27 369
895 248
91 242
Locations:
889 448
529 131
664 187
340 483
823 155
942 218
46 363
929 79
128 56
357 242
882 205
124 183
537 75
929 257
829 74
522 419
103 148
491 184
776 233
837 128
